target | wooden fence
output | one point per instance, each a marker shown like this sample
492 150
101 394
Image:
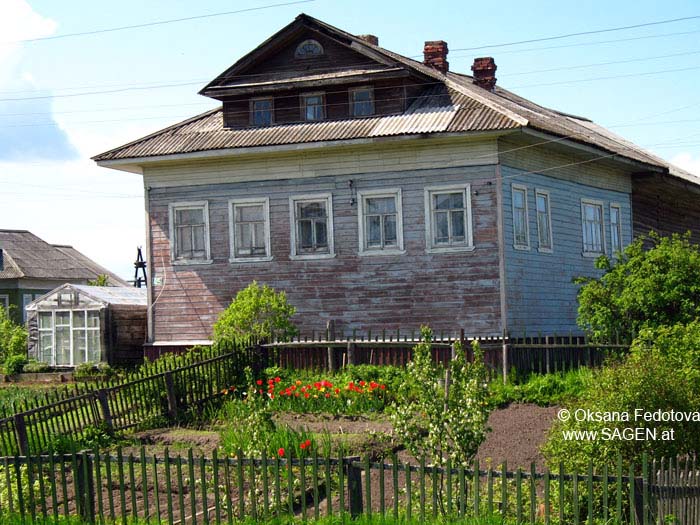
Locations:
161 395
189 490
503 354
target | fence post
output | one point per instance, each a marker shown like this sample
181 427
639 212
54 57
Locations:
351 353
330 336
172 399
505 357
85 487
21 433
354 489
106 413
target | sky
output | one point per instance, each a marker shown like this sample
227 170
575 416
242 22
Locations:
73 84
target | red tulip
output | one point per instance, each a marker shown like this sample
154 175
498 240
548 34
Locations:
280 452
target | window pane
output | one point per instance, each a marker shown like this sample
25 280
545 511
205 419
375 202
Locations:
259 243
442 233
78 346
518 199
362 103
78 319
93 319
374 230
198 244
306 234
262 112
390 230
187 216
244 239
543 228
62 346
308 210
45 320
442 201
184 241
321 237
457 201
63 318
457 226
45 347
381 205
94 345
249 213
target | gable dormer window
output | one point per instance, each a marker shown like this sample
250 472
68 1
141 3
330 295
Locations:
313 107
261 110
308 49
362 101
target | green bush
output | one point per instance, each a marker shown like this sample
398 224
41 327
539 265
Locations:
35 367
541 389
89 370
658 286
14 364
258 313
13 337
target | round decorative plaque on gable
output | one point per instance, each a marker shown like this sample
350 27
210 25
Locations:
309 49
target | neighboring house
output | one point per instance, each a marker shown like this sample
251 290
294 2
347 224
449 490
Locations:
31 267
383 192
75 324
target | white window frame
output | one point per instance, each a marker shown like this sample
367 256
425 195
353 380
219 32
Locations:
302 104
618 207
313 197
252 110
362 196
540 248
172 208
524 190
5 302
265 202
430 246
351 99
72 328
601 204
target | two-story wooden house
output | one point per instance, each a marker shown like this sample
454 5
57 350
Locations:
379 191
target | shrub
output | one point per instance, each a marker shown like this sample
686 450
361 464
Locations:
542 389
437 424
643 288
13 337
35 367
14 364
256 312
90 369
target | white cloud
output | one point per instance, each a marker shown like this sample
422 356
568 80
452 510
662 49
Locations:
18 21
688 162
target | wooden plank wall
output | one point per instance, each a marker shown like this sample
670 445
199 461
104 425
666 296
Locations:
126 334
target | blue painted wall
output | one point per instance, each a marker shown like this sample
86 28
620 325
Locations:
540 294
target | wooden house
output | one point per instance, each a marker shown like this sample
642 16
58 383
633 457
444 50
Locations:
383 192
31 267
74 324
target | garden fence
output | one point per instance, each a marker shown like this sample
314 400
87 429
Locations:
163 395
503 354
189 490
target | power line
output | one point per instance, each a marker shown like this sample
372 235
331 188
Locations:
581 33
156 23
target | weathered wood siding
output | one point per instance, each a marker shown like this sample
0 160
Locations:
125 334
540 294
375 292
665 205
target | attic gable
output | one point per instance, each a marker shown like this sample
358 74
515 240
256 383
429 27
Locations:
278 64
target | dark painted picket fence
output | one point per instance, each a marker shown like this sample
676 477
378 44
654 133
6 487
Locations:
213 490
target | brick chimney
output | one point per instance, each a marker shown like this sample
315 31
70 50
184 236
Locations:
370 39
484 69
435 55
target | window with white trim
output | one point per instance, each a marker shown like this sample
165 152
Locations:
380 222
69 337
5 302
593 227
249 228
544 220
521 230
615 228
311 217
448 218
189 232
362 101
261 111
313 107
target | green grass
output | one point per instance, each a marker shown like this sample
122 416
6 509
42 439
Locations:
542 389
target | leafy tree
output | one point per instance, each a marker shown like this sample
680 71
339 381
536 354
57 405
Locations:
13 337
437 424
256 312
643 288
101 280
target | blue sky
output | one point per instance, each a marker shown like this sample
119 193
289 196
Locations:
63 100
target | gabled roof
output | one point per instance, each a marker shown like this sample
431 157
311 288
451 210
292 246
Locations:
470 109
27 256
99 296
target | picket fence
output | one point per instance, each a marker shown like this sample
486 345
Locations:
189 490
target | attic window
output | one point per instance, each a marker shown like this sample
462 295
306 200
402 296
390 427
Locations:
308 49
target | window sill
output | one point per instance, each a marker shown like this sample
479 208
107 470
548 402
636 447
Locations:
521 247
235 260
545 250
592 255
191 262
450 249
379 253
312 256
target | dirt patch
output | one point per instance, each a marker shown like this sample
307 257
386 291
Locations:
517 433
334 424
203 442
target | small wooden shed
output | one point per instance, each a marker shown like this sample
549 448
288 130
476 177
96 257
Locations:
74 324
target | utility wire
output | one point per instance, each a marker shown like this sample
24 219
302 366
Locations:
156 23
